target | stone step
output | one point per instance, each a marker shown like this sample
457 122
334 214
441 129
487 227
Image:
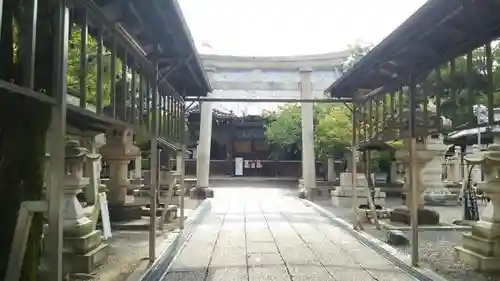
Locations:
124 212
480 245
85 263
82 244
441 199
477 261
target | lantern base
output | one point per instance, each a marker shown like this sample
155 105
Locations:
425 216
480 253
83 254
124 212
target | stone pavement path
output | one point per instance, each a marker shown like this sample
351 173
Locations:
261 234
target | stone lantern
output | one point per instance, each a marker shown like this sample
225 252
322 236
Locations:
428 170
429 157
83 248
453 167
118 152
74 218
481 247
430 181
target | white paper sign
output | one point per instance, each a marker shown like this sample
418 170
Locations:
258 164
238 166
247 164
106 223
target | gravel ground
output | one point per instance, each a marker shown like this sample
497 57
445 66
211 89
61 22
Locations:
436 247
128 249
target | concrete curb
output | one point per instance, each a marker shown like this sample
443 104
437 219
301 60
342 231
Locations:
255 179
171 247
390 253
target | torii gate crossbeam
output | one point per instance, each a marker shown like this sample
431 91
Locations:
269 100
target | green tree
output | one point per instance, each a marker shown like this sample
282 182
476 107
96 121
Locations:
333 133
332 130
453 88
74 55
357 51
283 130
332 122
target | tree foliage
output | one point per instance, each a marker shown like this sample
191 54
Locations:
333 124
333 132
74 55
357 51
455 101
283 130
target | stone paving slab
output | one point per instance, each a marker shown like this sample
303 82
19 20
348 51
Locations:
261 234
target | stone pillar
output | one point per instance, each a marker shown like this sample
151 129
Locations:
394 172
433 189
92 189
428 170
450 176
476 170
481 247
348 162
204 143
203 149
453 167
138 167
178 162
331 175
343 194
137 178
307 115
458 160
118 152
83 248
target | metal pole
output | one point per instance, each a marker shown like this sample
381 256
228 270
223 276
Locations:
415 195
367 187
154 170
181 182
465 180
479 149
184 136
57 139
1 12
479 137
353 170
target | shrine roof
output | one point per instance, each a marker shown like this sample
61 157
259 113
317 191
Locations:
160 25
436 33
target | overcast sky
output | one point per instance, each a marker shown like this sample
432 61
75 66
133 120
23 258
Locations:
291 27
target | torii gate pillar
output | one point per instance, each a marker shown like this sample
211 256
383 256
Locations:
307 114
203 149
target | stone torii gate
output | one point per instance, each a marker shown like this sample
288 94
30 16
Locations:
241 80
